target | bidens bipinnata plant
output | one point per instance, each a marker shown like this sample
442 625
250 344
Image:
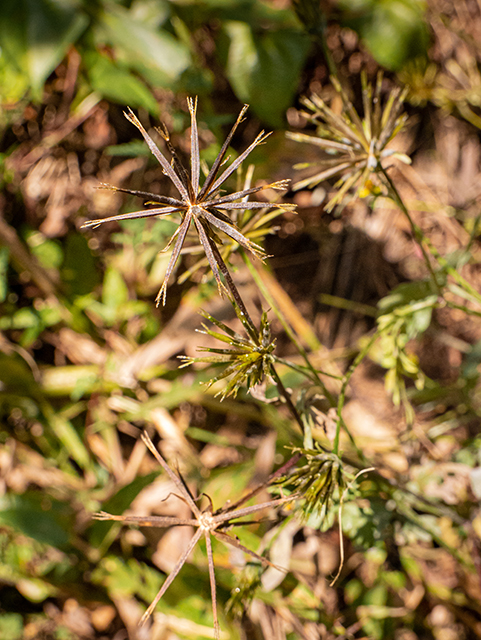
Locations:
355 147
207 521
204 206
248 361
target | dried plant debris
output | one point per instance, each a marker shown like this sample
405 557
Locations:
207 521
203 206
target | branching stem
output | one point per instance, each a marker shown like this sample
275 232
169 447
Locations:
287 328
237 299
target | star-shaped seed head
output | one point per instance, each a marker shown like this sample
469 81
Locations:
316 481
201 206
355 147
248 360
208 523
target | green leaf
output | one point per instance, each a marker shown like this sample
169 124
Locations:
48 252
116 83
134 148
38 517
36 34
79 271
264 68
394 31
116 505
68 436
404 294
11 626
152 51
13 82
123 579
114 292
365 525
4 255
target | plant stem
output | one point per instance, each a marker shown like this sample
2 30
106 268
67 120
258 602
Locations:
342 398
290 333
420 238
237 300
278 473
231 286
287 397
416 231
464 284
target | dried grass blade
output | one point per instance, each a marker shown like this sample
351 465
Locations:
206 243
213 587
234 542
262 136
182 232
147 521
232 232
144 194
226 516
144 213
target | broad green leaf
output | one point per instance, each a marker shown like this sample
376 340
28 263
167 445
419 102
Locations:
394 31
37 517
264 68
115 82
152 51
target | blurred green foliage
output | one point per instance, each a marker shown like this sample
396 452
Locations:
394 31
128 47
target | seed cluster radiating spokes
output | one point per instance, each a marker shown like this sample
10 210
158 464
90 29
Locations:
355 147
249 360
208 521
201 206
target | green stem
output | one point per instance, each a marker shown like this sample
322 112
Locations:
237 299
305 370
342 398
416 231
464 284
287 397
290 333
421 239
232 288
461 307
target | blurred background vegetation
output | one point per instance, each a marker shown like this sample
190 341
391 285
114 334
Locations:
87 361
